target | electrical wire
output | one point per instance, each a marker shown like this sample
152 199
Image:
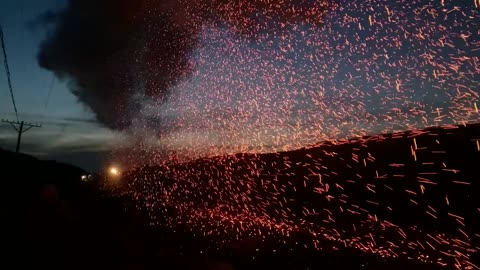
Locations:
7 70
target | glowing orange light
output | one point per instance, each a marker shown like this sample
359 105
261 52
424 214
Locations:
114 171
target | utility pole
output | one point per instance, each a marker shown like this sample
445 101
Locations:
19 127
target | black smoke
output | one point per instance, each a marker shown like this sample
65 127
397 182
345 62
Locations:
111 52
95 45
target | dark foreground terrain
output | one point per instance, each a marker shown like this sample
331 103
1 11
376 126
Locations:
52 220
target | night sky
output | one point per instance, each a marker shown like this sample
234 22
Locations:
70 132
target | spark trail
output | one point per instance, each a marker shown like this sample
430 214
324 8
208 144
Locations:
368 67
404 195
265 78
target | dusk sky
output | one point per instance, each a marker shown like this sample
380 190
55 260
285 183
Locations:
219 76
69 131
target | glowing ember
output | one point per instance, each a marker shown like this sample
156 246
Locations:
341 194
114 171
265 78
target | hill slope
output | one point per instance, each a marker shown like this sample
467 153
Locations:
406 195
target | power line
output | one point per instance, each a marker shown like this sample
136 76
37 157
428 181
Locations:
47 101
7 70
52 84
20 126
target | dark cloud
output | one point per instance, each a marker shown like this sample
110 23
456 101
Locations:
45 18
87 154
113 51
78 120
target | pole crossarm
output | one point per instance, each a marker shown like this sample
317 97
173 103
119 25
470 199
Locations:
21 127
20 122
13 125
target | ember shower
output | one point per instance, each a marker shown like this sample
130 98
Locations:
268 75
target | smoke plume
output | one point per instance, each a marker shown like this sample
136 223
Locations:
114 53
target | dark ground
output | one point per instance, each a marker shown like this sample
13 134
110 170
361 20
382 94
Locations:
51 220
